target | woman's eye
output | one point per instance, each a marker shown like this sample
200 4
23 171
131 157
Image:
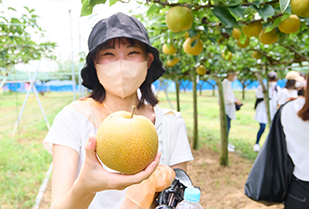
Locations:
107 53
134 52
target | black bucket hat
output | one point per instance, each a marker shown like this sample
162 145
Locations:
118 25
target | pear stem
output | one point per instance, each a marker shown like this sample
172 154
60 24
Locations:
132 112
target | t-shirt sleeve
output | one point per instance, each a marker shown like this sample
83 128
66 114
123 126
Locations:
282 98
65 130
180 147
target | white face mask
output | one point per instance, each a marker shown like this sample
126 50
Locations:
299 84
122 78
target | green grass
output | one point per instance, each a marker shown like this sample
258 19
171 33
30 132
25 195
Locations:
24 161
243 129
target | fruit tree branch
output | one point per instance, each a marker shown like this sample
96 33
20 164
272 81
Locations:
302 57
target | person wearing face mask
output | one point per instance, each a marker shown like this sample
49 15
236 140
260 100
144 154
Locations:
301 89
260 107
290 91
230 102
120 60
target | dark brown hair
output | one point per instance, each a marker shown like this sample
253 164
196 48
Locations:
98 93
303 113
290 84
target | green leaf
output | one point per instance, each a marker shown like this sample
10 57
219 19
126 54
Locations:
239 11
284 4
154 8
192 33
86 9
224 15
230 48
193 43
242 38
212 39
265 12
87 6
11 8
154 38
205 29
257 3
112 2
233 3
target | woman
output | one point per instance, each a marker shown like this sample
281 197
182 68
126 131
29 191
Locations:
120 60
290 91
260 107
295 122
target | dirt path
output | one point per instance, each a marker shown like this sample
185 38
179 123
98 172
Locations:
222 187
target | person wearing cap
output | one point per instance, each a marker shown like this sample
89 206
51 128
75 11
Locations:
230 102
290 91
260 106
120 60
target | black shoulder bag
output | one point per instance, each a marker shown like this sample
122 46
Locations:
272 171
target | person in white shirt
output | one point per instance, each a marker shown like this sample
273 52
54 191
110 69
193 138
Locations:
290 91
230 101
260 106
120 60
295 122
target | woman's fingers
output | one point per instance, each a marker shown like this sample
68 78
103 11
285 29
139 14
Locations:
90 148
152 166
122 181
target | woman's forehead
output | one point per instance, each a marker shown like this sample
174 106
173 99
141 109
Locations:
123 41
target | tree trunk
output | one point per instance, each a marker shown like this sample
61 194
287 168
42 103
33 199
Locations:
266 95
267 100
243 89
200 87
195 129
177 93
224 158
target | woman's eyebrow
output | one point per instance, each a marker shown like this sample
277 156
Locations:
108 47
131 46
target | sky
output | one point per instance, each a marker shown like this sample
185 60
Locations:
68 30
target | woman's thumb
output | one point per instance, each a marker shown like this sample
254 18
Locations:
90 147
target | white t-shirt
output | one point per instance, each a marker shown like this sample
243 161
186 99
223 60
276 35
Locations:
229 99
72 129
285 94
260 111
297 138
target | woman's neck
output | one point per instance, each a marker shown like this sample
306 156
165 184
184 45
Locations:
114 103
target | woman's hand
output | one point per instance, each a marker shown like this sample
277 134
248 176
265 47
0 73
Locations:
94 178
238 102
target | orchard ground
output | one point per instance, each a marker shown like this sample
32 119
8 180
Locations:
26 161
